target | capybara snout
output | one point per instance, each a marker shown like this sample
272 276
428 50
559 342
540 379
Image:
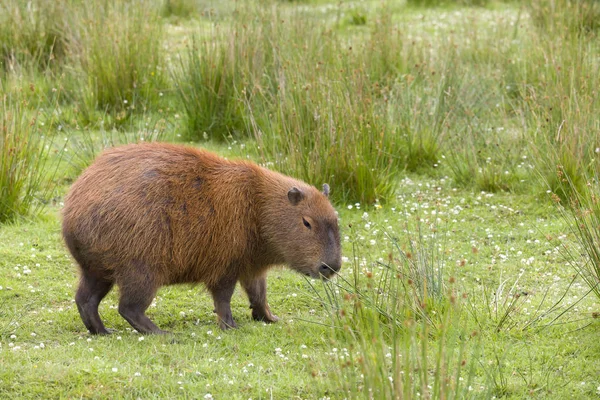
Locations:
148 215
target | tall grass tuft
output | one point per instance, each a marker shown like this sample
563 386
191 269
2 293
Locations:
24 151
566 16
179 8
399 326
327 131
206 86
559 97
582 214
120 56
32 34
301 92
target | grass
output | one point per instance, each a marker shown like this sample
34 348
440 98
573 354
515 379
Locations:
40 40
502 224
582 215
24 152
447 133
120 56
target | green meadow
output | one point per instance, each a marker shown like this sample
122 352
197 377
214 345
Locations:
460 140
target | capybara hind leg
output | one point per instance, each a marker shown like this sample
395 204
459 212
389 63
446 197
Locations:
133 303
222 298
91 291
257 294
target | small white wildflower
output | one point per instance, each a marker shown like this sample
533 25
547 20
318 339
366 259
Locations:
140 338
137 374
115 369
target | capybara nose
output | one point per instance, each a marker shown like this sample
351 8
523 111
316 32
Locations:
328 270
335 266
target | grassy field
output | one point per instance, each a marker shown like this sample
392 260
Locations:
460 139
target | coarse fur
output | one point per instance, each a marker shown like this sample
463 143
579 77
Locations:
147 215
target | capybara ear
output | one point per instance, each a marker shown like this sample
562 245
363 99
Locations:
326 190
295 195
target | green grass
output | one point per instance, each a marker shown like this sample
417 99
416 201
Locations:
508 231
24 152
40 39
447 133
120 56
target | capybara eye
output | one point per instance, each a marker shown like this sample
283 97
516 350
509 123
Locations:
306 223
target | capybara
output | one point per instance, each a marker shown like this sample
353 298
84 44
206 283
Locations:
147 215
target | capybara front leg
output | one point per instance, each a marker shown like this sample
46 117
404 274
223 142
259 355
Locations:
222 297
89 294
257 294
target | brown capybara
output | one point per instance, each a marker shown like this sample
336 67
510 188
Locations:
147 215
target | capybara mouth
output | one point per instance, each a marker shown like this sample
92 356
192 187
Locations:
312 274
324 275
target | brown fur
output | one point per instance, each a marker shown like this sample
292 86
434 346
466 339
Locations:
148 215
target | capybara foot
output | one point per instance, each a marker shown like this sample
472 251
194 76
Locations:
227 325
264 317
106 331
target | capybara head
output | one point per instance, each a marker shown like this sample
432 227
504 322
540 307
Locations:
307 233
